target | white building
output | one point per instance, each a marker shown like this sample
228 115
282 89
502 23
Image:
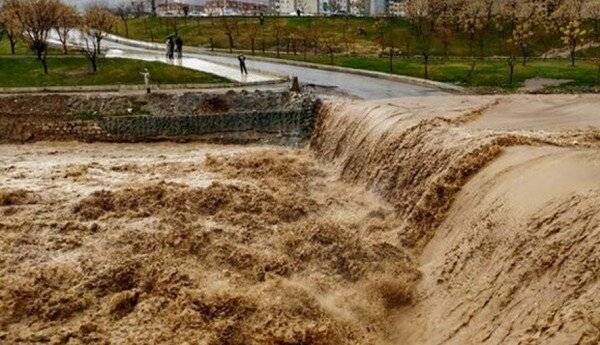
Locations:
378 8
289 7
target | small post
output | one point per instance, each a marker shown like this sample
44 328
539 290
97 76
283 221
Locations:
295 85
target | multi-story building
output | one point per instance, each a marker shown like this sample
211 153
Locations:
378 7
395 8
287 7
178 9
234 7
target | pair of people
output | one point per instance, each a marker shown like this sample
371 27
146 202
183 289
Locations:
174 45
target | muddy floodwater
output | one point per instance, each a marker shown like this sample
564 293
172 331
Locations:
440 220
155 243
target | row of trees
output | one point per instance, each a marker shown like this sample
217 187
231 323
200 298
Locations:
519 22
434 26
38 22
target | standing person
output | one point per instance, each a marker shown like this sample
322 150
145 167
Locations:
242 60
167 47
171 48
146 75
179 47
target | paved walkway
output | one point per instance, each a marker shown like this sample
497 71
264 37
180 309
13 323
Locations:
360 86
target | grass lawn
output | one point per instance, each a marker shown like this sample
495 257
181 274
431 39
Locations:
354 34
26 71
487 73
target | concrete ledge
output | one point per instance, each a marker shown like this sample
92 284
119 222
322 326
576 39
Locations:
117 88
366 73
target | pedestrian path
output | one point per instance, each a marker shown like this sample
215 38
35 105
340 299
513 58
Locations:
145 51
228 71
361 86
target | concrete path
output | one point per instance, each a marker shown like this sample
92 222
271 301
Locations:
195 63
227 66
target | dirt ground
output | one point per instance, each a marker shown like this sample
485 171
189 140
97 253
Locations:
440 220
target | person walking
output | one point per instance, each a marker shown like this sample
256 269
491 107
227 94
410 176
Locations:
179 47
146 75
242 60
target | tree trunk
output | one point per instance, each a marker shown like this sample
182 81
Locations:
304 48
426 62
126 28
446 48
65 48
44 62
277 46
94 65
511 70
573 57
230 38
391 59
13 42
331 55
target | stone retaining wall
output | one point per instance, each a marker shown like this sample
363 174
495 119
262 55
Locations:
228 117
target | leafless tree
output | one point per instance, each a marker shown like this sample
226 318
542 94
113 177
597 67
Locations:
573 35
230 27
37 18
423 16
252 31
124 11
95 24
9 24
68 20
279 29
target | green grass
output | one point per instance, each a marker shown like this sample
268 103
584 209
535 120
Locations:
362 32
487 73
21 48
75 71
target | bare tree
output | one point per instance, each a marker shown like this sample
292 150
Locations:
279 30
331 42
124 11
9 25
96 23
36 19
68 20
252 31
573 35
389 36
592 9
230 28
423 16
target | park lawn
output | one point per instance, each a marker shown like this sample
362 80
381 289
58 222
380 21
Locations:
22 48
487 73
75 71
198 32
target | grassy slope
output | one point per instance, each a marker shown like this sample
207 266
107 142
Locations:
198 31
69 71
487 73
